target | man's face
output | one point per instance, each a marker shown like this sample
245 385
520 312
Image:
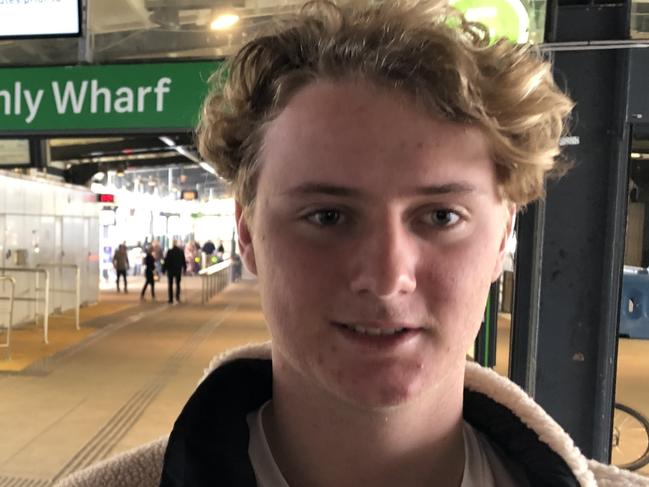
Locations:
376 233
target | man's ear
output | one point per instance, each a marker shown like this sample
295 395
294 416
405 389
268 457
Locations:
245 239
507 235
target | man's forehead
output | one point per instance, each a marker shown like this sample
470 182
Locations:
349 114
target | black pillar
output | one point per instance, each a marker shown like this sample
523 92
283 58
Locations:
582 252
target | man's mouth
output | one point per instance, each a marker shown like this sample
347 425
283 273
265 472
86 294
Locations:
378 329
375 331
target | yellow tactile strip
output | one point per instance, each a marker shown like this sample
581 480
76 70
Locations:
27 346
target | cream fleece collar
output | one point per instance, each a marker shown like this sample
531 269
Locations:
492 385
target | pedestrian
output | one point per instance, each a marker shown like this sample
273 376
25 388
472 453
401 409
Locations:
189 256
121 265
174 265
220 252
149 271
377 152
157 255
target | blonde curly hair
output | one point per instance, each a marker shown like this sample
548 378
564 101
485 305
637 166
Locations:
425 49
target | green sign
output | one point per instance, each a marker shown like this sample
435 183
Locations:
503 18
110 98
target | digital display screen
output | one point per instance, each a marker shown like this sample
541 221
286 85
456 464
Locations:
39 18
106 198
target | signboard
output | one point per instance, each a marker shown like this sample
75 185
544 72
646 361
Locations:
100 99
14 152
503 18
39 18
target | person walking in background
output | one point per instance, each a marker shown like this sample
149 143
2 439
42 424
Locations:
220 252
121 265
149 270
174 265
157 256
189 256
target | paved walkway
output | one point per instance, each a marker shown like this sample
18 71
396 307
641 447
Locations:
121 386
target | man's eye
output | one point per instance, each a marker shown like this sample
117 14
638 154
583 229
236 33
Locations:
325 217
444 218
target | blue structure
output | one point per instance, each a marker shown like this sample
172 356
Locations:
634 303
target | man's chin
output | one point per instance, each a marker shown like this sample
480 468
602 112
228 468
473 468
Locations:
382 397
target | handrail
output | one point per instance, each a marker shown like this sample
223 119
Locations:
214 279
215 268
12 282
46 299
76 290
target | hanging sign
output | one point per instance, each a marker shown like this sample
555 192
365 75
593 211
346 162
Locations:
113 98
504 18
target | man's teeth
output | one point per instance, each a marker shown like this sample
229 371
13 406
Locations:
375 331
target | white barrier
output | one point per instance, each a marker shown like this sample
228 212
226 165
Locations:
77 288
12 283
214 279
46 298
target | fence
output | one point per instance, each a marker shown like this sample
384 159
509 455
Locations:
76 290
12 283
214 279
35 299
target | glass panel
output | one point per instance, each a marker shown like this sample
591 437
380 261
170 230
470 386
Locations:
122 30
639 20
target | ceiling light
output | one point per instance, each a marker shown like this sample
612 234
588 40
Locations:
224 21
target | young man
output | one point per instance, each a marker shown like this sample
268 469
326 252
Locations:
378 155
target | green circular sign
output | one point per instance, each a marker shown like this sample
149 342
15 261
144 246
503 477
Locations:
503 18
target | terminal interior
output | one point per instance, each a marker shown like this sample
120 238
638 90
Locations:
87 372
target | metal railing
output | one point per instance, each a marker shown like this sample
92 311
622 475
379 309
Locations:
214 279
77 288
36 299
12 283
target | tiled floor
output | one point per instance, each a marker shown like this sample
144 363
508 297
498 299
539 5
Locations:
121 387
124 384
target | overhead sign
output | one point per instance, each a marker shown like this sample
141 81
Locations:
37 18
100 99
14 152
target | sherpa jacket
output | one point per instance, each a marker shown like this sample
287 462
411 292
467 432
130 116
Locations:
209 442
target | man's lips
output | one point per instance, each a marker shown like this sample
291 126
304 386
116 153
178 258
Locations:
378 328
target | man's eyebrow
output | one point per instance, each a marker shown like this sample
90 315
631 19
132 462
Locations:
449 188
322 188
306 189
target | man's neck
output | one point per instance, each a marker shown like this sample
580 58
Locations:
317 440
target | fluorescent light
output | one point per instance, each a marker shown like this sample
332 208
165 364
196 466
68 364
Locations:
224 21
206 167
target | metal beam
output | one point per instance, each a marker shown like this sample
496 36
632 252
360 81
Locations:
570 256
583 240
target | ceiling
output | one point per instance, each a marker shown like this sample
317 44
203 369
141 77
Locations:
120 30
125 30
162 164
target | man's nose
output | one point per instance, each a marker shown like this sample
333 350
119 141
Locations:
385 261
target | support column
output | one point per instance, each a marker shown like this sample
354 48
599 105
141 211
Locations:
583 240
